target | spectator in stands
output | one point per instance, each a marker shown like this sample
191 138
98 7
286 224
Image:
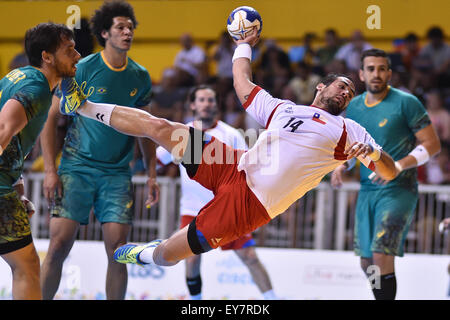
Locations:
439 116
288 93
421 78
168 99
398 80
304 83
223 54
304 52
274 69
234 115
351 52
223 79
439 54
326 54
190 62
409 50
438 168
335 66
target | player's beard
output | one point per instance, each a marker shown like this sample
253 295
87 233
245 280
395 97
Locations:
373 90
62 70
333 106
207 118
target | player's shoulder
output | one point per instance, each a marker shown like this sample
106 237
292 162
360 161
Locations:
352 124
133 65
357 101
30 78
400 94
349 121
30 73
90 59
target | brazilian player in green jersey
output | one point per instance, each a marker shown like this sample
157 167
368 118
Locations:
25 98
400 124
94 170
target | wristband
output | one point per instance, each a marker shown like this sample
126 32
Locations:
19 181
29 206
421 154
350 164
398 166
244 50
375 154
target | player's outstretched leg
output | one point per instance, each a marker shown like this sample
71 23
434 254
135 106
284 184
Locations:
172 136
160 252
130 252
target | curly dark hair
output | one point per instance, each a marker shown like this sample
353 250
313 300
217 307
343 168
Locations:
103 17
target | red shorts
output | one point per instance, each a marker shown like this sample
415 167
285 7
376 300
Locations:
243 242
234 211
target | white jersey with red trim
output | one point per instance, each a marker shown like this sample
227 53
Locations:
300 146
193 195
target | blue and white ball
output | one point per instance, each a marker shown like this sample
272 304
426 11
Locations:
241 21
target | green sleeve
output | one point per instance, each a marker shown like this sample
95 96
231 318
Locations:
146 95
34 99
416 115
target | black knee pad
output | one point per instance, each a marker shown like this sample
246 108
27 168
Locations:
192 156
196 240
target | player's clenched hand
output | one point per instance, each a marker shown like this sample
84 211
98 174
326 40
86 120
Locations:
357 149
29 206
153 193
376 179
252 38
51 184
444 225
336 176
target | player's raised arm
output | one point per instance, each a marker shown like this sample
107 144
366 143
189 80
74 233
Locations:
242 70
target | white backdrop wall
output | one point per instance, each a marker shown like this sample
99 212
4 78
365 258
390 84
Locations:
296 274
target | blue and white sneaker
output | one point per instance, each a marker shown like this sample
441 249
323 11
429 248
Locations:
129 253
72 96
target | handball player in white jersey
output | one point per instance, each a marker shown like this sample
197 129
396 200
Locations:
300 146
203 103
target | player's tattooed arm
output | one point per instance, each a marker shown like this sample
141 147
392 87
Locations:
242 74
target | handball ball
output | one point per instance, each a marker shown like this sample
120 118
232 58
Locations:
241 21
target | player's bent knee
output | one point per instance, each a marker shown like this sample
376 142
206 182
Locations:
196 240
366 263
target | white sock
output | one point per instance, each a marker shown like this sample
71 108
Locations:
100 112
146 255
270 295
196 297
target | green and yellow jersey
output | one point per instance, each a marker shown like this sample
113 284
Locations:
392 122
90 143
30 87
